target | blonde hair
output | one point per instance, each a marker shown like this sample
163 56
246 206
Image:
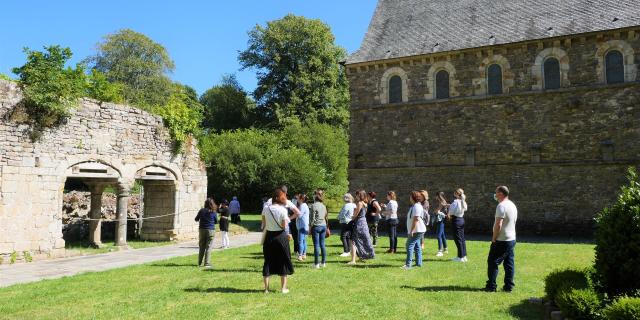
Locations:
425 194
460 192
348 198
392 195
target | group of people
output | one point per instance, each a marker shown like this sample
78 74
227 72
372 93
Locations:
284 220
210 215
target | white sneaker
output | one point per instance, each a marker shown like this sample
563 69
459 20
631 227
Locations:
316 266
439 254
345 254
285 291
464 259
406 267
456 259
324 265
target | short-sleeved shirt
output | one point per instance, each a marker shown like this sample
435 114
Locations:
507 210
288 205
416 211
303 220
457 208
392 209
318 214
346 213
275 216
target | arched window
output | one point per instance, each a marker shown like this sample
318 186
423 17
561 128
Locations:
442 84
395 89
614 66
494 79
551 73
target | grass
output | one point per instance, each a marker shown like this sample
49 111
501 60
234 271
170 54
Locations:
176 289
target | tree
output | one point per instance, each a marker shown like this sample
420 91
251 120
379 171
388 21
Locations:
182 113
298 70
139 63
50 89
227 106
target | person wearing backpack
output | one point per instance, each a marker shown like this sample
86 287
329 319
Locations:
319 224
439 219
456 212
415 230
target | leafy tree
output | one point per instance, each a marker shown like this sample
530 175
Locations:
50 89
139 63
5 77
99 88
227 106
299 75
181 113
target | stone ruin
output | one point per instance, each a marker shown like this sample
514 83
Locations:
99 145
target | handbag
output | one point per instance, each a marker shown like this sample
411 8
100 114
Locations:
328 233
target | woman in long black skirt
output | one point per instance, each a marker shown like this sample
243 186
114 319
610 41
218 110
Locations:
277 254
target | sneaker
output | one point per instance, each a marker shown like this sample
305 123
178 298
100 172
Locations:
324 265
456 259
507 289
345 254
285 291
266 291
299 258
464 259
446 251
439 254
316 266
488 289
208 266
406 267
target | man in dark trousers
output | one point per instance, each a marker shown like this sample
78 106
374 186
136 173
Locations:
503 242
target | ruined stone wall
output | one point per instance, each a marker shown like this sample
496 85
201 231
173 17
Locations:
564 153
123 138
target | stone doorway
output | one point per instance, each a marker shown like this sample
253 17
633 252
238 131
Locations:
159 204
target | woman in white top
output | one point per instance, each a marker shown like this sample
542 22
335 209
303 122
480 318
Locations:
302 225
456 213
345 215
391 214
277 254
415 229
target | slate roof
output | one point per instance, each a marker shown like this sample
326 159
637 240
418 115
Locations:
401 28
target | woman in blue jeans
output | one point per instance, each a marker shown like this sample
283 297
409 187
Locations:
415 230
319 223
302 224
439 220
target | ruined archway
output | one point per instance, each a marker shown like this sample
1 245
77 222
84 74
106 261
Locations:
159 203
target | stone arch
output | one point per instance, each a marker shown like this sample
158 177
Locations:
431 79
537 72
93 168
481 83
630 68
160 201
384 84
157 172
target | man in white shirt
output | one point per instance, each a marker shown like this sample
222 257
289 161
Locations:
503 242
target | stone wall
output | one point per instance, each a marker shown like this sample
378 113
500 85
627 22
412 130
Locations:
564 153
123 139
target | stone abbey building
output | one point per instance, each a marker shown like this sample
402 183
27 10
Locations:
542 96
100 145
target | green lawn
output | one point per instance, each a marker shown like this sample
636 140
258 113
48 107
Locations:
176 289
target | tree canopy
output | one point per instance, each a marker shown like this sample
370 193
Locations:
298 70
139 63
227 106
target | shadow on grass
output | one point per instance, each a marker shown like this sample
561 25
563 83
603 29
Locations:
527 310
175 265
222 290
444 288
372 266
238 270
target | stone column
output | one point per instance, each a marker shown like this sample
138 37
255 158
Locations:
123 203
95 213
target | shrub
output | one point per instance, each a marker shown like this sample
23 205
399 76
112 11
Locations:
618 243
50 89
558 280
625 308
579 304
99 88
182 118
5 77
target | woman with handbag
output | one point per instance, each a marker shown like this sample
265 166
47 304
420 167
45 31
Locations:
361 245
319 229
275 247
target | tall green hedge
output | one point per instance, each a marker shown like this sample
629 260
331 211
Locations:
617 261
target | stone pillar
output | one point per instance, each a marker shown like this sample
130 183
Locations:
95 213
123 203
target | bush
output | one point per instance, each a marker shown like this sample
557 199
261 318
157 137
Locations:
618 243
559 280
181 115
99 88
579 304
50 89
625 308
5 77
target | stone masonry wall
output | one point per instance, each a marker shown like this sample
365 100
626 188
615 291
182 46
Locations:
564 153
120 137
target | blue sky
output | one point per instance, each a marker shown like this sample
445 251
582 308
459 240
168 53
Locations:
202 37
